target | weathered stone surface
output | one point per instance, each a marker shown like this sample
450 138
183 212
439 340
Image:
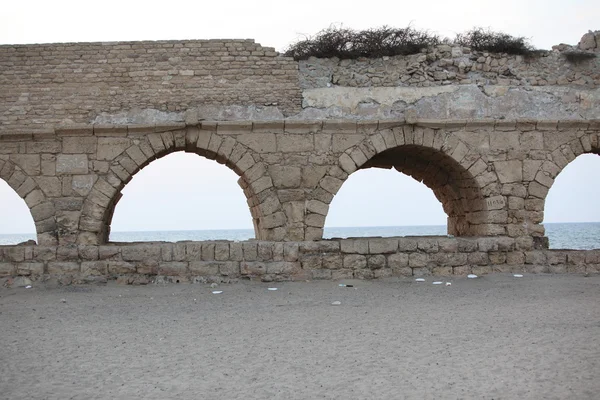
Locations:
71 164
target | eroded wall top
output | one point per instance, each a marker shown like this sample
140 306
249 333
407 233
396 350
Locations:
187 81
58 84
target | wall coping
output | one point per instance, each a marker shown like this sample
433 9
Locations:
295 126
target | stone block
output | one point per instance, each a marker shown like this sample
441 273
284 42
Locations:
360 246
253 268
342 274
332 261
173 268
63 267
108 252
120 267
283 267
376 261
94 268
417 260
383 245
79 144
139 252
355 261
71 164
509 171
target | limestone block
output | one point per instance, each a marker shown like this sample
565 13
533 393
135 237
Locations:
285 176
29 163
376 261
253 268
407 244
43 211
364 274
288 143
82 184
7 269
537 190
44 253
317 207
236 251
222 251
94 268
447 245
172 268
71 164
50 185
259 142
229 268
342 142
347 163
332 261
29 268
321 246
315 220
417 260
383 245
283 267
250 250
79 144
509 171
139 252
62 267
34 198
136 154
109 252
208 251
312 174
265 251
291 251
478 258
360 246
311 261
355 261
204 268
274 220
427 245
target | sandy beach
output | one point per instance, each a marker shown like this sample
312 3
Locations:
495 337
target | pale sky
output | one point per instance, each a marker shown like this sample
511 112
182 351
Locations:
368 198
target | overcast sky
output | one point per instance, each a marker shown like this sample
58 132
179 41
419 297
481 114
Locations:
161 198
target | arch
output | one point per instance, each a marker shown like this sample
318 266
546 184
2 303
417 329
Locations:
182 192
265 208
42 210
439 159
543 173
414 204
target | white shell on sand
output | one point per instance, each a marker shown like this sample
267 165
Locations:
217 292
471 276
336 303
28 287
272 288
448 283
518 275
419 280
437 283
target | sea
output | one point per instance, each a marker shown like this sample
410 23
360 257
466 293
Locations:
580 236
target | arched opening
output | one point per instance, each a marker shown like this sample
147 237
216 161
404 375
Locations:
181 196
571 211
16 224
384 202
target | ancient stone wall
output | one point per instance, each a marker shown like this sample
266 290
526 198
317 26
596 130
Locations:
186 81
223 261
53 84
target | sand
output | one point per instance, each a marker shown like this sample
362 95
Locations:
495 337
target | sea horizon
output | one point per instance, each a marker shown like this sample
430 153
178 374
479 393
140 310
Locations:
562 235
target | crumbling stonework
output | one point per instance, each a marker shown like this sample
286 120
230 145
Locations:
223 261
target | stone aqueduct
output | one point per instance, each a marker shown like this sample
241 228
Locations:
487 133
